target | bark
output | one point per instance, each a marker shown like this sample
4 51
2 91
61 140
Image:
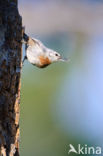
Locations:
10 69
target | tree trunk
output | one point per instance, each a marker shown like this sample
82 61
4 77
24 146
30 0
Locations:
10 69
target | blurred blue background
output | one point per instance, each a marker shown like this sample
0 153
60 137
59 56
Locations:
63 103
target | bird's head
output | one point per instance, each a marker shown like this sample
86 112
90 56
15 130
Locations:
54 56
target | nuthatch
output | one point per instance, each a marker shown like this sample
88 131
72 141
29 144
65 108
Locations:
39 55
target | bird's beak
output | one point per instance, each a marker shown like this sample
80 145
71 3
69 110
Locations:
63 60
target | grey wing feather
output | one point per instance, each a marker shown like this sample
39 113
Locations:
40 44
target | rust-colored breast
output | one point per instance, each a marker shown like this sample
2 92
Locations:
44 61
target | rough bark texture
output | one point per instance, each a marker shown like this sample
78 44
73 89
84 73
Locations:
10 68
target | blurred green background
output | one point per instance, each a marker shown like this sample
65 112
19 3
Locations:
63 103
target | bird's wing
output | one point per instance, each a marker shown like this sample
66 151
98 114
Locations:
40 45
38 42
33 48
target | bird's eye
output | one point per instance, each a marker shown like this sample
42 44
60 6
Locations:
56 54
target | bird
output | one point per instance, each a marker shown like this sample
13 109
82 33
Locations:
38 54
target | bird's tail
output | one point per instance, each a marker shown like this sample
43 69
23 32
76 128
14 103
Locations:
25 37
